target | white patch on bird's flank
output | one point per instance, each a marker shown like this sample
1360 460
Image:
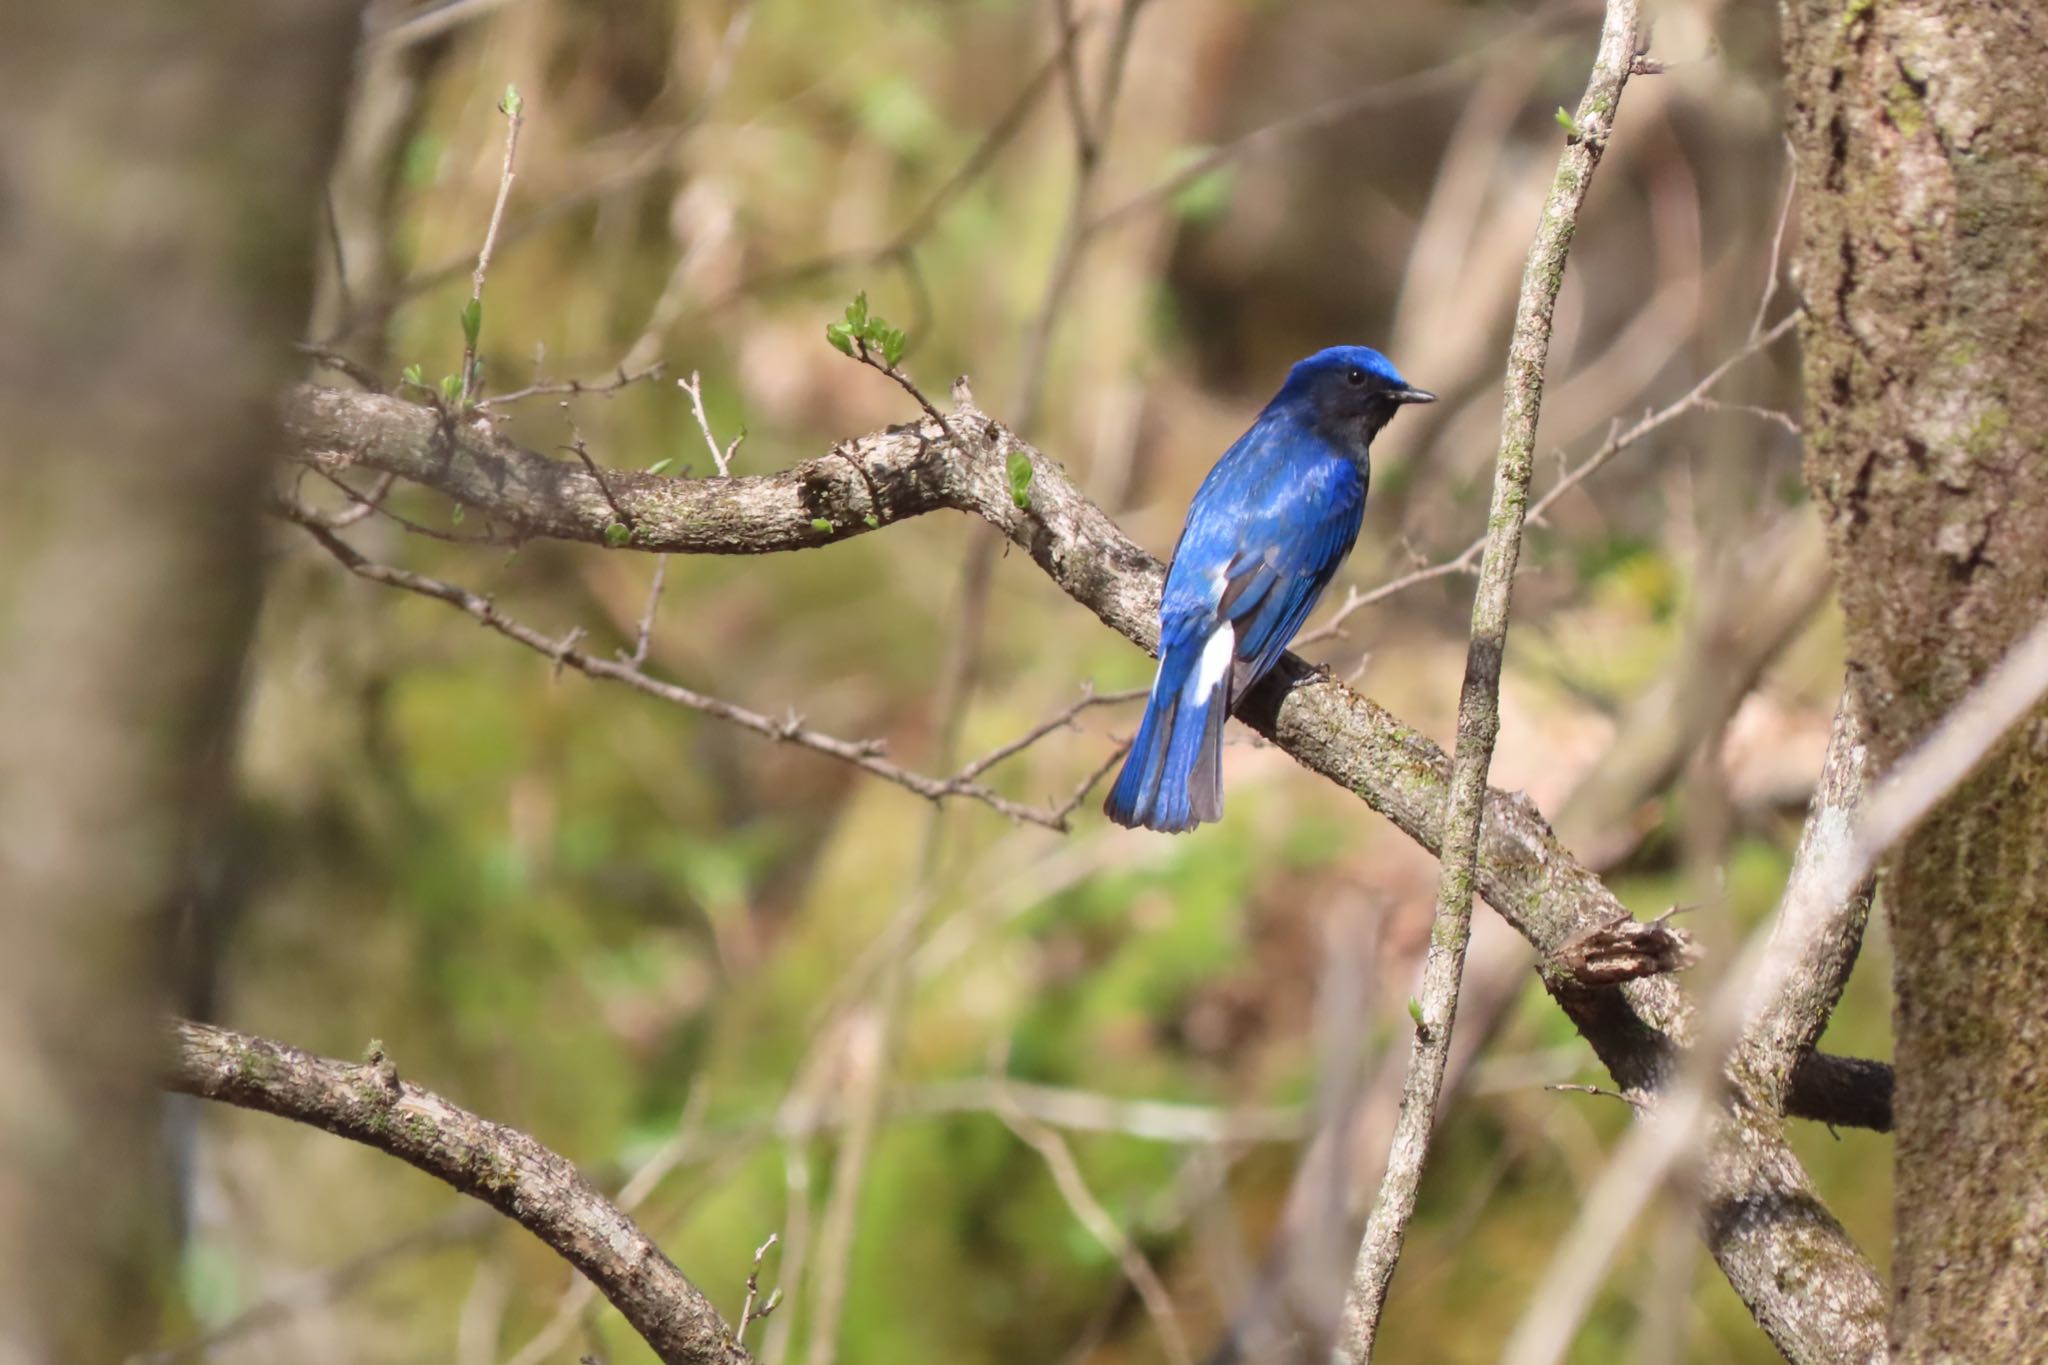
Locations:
1217 653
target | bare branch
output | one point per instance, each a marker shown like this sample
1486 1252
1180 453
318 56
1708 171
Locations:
514 119
542 1192
1088 1211
582 453
1058 721
576 388
644 636
341 364
865 755
1479 703
1413 85
329 1284
748 1313
1763 304
721 456
1467 559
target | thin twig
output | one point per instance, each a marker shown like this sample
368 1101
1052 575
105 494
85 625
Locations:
881 365
1413 85
372 503
1479 701
514 111
865 755
575 388
604 486
1763 304
720 456
904 242
1058 721
320 1288
1090 134
1604 1093
363 504
1089 783
342 364
645 633
796 1186
1088 1211
1465 561
748 1317
1774 416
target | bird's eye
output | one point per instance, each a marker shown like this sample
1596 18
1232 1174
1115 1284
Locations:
1355 377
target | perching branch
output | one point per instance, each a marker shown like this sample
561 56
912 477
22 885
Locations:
1479 701
905 472
368 1103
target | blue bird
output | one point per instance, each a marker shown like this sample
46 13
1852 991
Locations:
1265 533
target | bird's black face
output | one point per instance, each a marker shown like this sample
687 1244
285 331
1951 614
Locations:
1354 402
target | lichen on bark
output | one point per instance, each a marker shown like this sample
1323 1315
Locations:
1922 141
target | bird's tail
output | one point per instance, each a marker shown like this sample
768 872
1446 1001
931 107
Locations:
1172 778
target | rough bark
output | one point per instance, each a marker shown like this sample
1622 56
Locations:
158 183
541 1191
1922 141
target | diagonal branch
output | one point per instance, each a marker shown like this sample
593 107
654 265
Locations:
864 755
1479 702
501 1166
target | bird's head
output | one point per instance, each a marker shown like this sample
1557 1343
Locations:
1349 393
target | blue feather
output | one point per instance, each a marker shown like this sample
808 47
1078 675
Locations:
1265 533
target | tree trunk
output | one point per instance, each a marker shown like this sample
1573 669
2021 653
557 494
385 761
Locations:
158 191
1922 143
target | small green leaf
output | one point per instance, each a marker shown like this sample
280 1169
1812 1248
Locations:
455 516
1415 1010
840 334
893 342
1018 465
822 525
659 465
451 387
871 521
411 375
617 534
1567 122
512 104
472 321
857 311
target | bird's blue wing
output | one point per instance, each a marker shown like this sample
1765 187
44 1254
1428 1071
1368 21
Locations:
1265 534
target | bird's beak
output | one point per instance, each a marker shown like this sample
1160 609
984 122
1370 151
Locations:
1412 396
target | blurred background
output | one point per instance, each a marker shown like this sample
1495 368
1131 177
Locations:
752 982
